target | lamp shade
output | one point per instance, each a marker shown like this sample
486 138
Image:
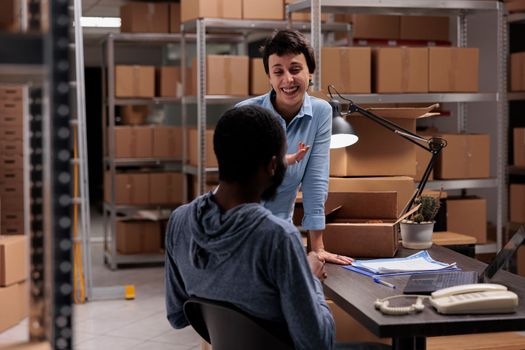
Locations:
343 134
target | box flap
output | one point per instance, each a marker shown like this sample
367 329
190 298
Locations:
358 205
406 112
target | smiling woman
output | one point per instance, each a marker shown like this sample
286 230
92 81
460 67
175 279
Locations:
289 63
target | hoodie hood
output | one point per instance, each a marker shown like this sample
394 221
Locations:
215 235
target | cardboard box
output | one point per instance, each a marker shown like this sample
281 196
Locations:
517 71
519 146
174 17
11 93
269 9
12 161
193 9
133 141
453 69
11 188
130 188
403 185
193 158
468 215
144 17
14 258
135 237
376 26
10 15
430 28
13 202
169 81
134 81
467 156
348 329
259 81
14 300
11 147
379 151
347 68
303 16
133 114
166 188
515 5
517 203
400 69
11 175
167 142
362 224
12 113
11 133
225 75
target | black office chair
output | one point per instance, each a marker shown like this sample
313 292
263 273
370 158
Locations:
227 327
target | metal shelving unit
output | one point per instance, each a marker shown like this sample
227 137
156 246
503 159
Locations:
40 60
240 31
112 165
459 10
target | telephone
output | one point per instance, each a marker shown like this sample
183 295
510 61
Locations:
479 298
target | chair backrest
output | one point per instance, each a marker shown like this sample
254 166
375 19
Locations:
226 327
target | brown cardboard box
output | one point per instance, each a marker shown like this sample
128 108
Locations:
133 141
16 175
303 16
11 147
515 5
169 81
130 188
453 69
193 9
12 113
348 329
520 261
403 185
225 75
424 28
144 17
517 71
379 151
14 256
9 217
348 230
467 156
22 345
193 159
135 237
347 68
11 188
166 188
468 215
133 114
10 15
134 81
517 203
269 9
15 203
167 142
259 83
11 133
400 69
13 303
175 17
12 161
11 93
375 26
519 146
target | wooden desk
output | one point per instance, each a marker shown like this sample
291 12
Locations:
356 293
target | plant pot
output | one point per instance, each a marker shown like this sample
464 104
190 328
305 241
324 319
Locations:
417 236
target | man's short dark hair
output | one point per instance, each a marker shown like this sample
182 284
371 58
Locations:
284 42
245 138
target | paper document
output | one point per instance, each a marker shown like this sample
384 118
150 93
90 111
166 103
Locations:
419 262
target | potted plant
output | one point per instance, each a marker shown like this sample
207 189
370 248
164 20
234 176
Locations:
417 229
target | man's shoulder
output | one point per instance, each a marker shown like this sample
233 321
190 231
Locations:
279 226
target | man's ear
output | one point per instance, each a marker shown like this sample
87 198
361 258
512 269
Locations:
272 166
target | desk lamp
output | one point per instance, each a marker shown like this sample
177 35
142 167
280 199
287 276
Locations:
434 145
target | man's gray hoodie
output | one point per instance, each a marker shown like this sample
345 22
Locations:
247 257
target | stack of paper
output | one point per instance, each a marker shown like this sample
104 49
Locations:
415 263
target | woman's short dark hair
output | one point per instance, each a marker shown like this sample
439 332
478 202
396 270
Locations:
283 42
245 138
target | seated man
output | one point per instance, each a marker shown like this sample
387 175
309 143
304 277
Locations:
225 246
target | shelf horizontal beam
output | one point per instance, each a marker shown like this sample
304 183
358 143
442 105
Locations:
134 208
461 184
486 248
143 162
146 101
165 38
394 7
193 170
423 97
135 258
243 25
516 17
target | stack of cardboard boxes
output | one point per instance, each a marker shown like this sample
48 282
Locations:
12 160
14 287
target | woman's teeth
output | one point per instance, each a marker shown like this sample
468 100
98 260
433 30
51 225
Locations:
290 90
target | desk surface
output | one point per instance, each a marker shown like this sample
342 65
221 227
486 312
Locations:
356 293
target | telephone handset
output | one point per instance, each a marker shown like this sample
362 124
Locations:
479 298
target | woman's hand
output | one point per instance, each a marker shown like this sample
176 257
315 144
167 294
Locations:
316 265
334 258
296 157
